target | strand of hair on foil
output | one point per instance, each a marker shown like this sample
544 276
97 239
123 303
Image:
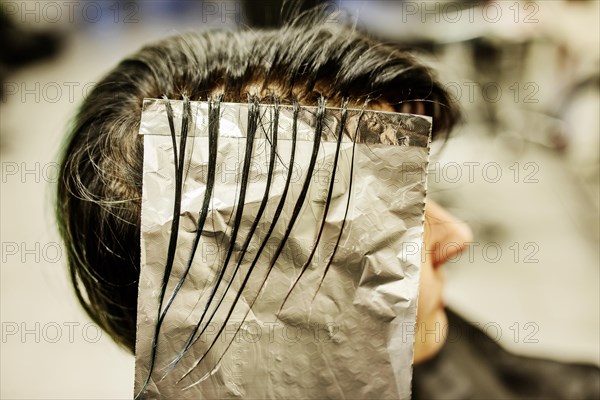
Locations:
213 136
276 216
330 261
174 222
253 116
244 248
308 261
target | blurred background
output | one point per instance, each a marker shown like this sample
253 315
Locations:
523 170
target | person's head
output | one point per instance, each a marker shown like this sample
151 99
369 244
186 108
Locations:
100 183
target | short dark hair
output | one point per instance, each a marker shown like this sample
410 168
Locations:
100 184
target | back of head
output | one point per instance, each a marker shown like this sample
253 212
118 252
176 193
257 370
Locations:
100 183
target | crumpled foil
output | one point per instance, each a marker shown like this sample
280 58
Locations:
350 339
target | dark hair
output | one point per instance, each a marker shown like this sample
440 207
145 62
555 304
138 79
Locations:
99 188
